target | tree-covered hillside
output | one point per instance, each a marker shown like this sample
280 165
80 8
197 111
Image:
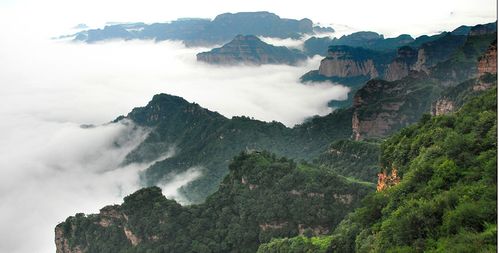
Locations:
202 138
446 200
263 197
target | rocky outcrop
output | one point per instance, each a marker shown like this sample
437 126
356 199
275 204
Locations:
437 51
488 62
386 180
272 225
250 50
134 240
442 106
345 61
316 230
382 107
346 68
400 67
62 242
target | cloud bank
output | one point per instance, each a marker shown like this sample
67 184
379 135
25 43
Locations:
52 167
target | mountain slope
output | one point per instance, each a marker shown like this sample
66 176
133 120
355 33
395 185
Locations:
249 49
263 197
207 140
441 195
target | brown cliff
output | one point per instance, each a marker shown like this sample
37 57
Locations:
443 106
400 67
382 107
488 62
386 180
335 67
346 61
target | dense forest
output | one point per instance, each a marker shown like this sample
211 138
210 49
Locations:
446 200
263 197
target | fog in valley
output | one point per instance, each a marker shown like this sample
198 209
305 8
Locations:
53 168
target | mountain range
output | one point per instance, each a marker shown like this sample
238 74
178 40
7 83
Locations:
205 32
408 164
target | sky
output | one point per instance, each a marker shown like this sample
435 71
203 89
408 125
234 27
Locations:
390 17
52 168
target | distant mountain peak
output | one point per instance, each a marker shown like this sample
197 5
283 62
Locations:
249 49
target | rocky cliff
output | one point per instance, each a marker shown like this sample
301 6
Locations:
345 61
402 64
441 77
250 50
488 62
452 98
382 107
440 50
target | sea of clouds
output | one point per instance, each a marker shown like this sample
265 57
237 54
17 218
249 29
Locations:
52 167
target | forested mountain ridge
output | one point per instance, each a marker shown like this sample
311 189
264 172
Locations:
444 198
202 138
262 197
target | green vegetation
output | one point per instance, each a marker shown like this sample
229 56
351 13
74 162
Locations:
356 159
447 199
299 244
263 197
462 63
206 139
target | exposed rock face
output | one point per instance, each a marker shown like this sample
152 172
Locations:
345 68
443 106
62 242
440 50
400 67
345 61
250 50
382 107
316 231
386 180
488 62
134 240
272 225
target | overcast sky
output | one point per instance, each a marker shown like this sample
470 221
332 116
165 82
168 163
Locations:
390 17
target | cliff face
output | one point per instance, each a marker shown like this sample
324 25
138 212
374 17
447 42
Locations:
488 62
382 107
400 67
445 68
487 68
347 68
454 97
440 50
345 61
443 106
250 50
